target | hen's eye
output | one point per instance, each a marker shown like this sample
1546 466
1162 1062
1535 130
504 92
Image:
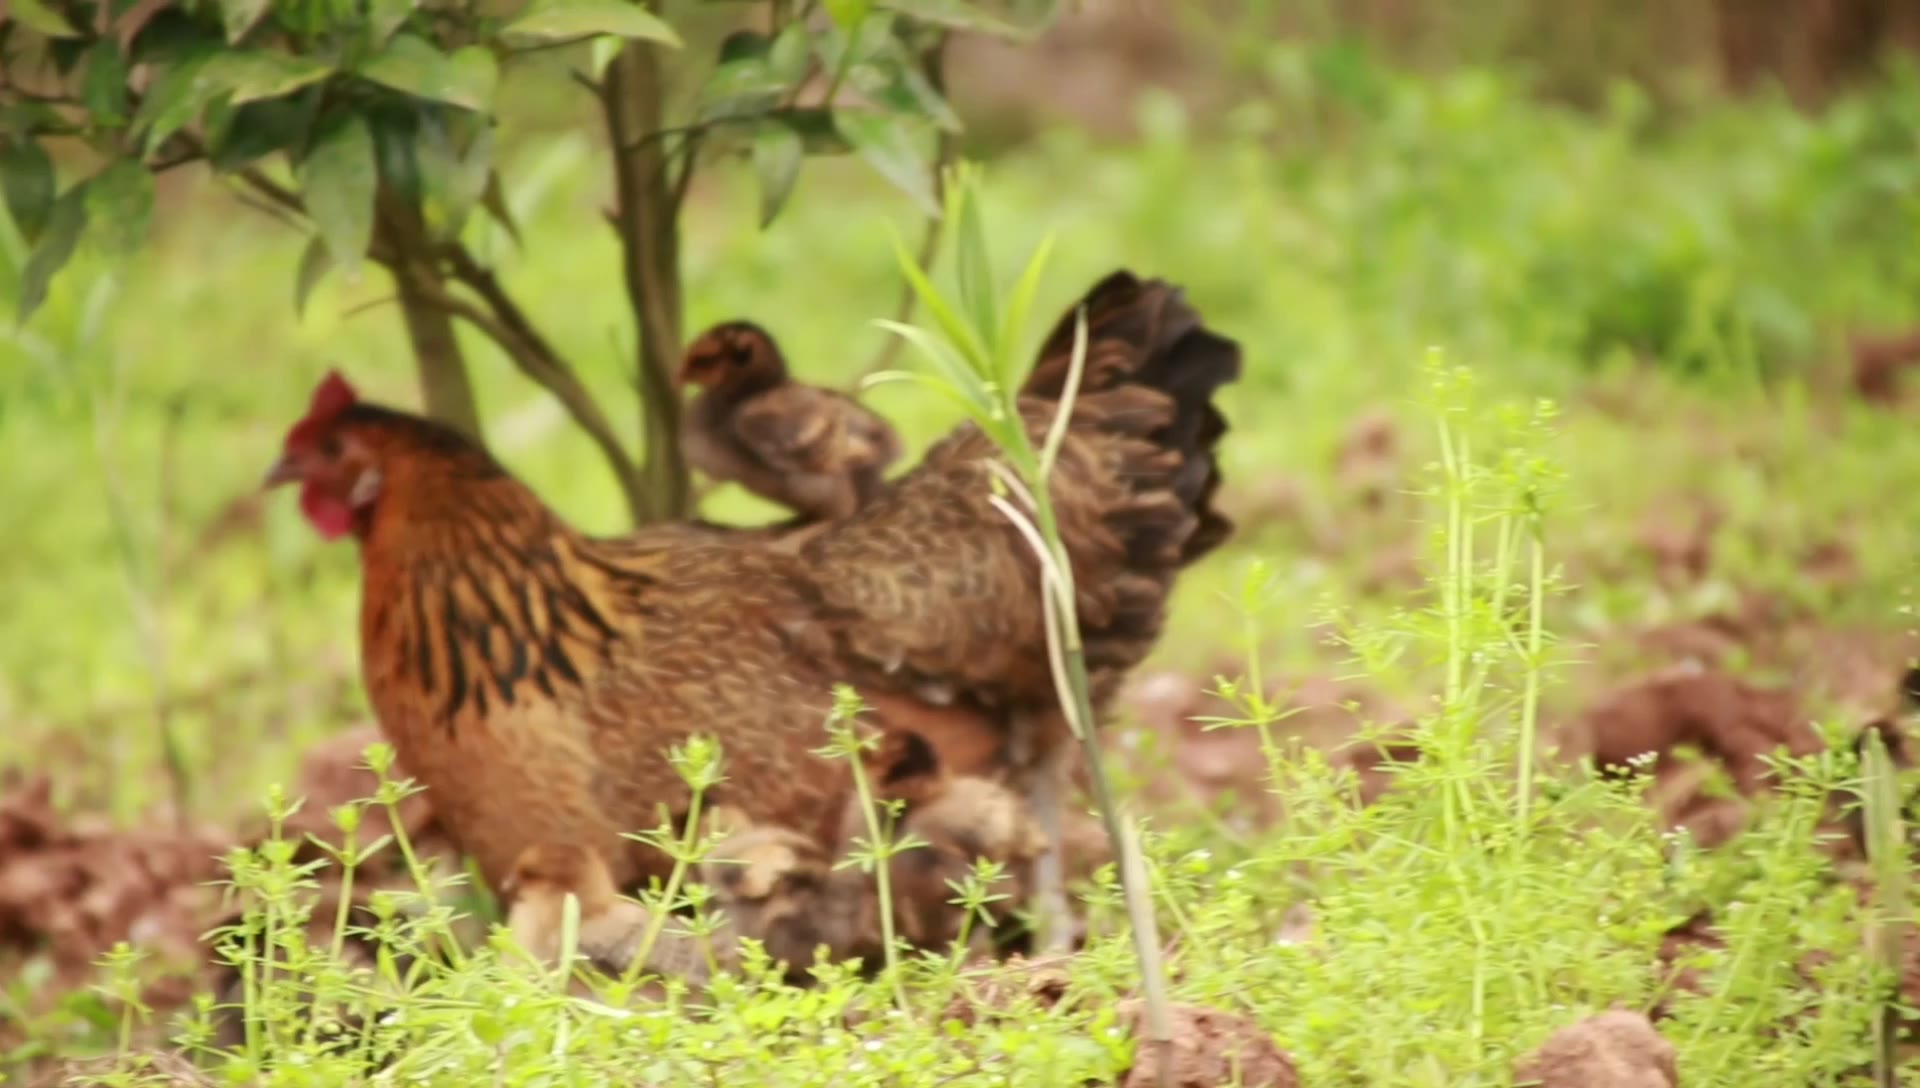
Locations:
330 446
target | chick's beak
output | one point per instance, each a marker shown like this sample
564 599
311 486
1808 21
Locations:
284 471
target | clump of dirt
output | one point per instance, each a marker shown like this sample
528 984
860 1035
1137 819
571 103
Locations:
1615 1049
1713 711
1207 1048
75 887
1366 466
1830 563
1684 951
1218 761
1752 628
1879 363
1372 761
1680 543
1685 797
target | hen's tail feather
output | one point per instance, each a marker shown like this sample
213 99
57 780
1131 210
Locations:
1143 333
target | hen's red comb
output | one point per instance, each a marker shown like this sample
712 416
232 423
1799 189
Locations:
330 398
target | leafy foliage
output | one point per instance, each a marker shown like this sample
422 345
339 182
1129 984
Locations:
384 116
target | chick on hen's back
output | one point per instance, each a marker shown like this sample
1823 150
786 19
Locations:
816 451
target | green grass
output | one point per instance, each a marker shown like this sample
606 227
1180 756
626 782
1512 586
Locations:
1701 268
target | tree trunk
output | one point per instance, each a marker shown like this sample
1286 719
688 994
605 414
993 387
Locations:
647 217
446 392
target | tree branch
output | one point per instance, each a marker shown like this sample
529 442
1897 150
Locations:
530 353
633 98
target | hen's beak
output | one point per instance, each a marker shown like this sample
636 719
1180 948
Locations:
284 471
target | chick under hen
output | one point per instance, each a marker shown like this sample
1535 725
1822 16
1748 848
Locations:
611 930
534 678
816 451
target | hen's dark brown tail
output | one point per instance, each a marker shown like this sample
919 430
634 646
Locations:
1143 333
1146 400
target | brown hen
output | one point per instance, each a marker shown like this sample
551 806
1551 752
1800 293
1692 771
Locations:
534 678
816 451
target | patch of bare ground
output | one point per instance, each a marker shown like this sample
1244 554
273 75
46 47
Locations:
1215 761
72 887
1881 363
1616 1049
1206 1048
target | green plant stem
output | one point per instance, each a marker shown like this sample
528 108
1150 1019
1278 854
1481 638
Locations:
882 879
657 919
348 859
1530 699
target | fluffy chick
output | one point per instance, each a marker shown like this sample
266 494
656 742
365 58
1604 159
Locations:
972 818
957 819
779 887
611 928
816 451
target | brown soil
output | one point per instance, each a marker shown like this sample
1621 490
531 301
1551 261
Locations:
1682 957
1615 1049
1880 362
1712 711
72 888
1208 1048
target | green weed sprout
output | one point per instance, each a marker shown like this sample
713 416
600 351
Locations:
979 343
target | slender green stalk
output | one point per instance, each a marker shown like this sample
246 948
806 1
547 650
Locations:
1530 699
976 362
882 880
657 919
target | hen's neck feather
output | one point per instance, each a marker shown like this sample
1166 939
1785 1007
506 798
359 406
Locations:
474 592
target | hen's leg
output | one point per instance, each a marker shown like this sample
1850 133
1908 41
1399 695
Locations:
1042 767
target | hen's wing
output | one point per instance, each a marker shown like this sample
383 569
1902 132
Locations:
931 589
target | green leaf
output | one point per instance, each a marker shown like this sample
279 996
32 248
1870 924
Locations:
35 15
103 88
338 179
879 66
314 265
120 206
777 153
239 16
1019 305
550 20
258 129
887 144
847 13
176 97
395 132
385 17
955 330
413 66
254 74
974 265
65 224
26 174
958 15
454 163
